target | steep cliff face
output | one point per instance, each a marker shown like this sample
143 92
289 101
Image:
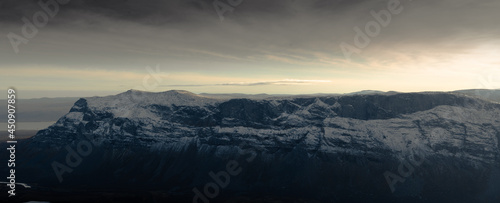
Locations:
325 148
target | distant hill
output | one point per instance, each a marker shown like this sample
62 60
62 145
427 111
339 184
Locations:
492 95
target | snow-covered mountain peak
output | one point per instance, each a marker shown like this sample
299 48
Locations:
134 103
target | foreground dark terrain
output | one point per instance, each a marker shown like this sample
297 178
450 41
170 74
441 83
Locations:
176 146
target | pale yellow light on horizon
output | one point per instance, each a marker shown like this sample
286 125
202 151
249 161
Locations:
385 71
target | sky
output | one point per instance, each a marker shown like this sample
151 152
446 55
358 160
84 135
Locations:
95 48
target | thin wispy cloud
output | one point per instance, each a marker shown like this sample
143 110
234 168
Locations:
258 83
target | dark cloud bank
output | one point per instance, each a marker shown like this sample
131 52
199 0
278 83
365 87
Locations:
154 31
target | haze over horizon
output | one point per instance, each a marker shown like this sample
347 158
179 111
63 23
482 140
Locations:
41 95
96 48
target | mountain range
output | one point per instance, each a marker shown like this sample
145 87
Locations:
179 146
